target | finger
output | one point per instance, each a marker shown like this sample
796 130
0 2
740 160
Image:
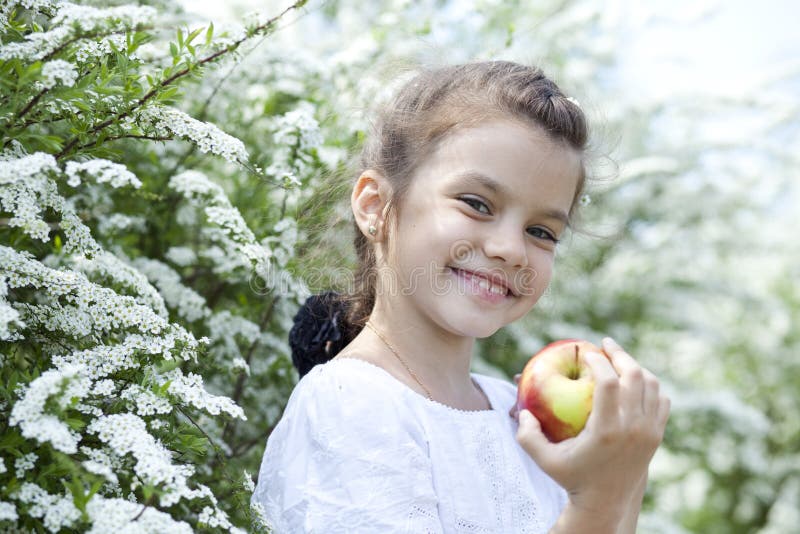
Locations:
532 439
517 377
631 375
605 403
514 411
651 393
664 405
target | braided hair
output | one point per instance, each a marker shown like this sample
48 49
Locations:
320 331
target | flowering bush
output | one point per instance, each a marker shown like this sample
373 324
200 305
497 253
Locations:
165 206
124 275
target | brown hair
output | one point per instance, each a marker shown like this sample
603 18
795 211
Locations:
436 102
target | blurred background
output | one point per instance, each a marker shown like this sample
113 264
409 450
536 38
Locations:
693 259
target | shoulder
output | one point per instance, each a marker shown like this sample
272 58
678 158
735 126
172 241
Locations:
501 391
355 397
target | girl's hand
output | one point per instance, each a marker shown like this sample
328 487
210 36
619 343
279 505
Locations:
604 467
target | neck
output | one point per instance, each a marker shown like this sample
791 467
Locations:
439 358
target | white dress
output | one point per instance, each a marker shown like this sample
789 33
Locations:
358 451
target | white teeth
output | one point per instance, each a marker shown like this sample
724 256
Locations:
484 284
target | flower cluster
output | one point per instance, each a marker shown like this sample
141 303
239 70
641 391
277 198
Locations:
117 515
187 302
146 402
102 171
236 244
167 121
10 320
29 412
296 134
189 389
57 511
58 70
71 20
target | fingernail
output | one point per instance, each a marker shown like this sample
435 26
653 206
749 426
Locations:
609 340
525 416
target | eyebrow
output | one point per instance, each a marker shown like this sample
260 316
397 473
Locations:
496 187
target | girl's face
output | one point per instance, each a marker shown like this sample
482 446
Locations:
488 204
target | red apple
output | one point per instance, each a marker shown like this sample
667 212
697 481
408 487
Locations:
557 387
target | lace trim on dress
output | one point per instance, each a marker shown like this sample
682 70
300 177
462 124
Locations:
475 380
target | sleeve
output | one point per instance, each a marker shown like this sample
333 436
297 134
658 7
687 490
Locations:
346 458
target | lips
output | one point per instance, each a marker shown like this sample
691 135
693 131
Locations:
496 280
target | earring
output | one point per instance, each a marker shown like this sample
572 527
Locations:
372 230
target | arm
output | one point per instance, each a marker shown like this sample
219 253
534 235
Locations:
604 468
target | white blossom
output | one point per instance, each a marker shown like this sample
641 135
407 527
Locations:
102 171
189 389
206 136
115 223
8 316
8 511
24 463
184 300
110 266
182 256
58 70
146 402
57 511
117 515
28 413
298 128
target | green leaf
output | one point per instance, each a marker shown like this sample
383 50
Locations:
192 35
209 33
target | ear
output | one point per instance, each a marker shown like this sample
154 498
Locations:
369 201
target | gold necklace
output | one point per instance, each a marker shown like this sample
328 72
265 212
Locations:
412 373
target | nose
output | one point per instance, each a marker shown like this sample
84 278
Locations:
508 244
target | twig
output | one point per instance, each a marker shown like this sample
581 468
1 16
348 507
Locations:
183 72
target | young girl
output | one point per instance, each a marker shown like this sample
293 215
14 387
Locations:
466 186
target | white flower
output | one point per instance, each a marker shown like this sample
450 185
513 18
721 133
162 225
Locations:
8 512
58 69
102 171
189 389
249 485
117 515
24 463
58 511
181 256
28 413
188 303
206 136
147 402
298 128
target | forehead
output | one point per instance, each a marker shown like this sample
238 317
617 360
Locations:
507 158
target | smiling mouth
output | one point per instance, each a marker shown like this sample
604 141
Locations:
485 283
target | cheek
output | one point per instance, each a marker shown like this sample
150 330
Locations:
535 278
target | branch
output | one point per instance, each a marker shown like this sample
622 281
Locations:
181 73
128 136
32 103
230 428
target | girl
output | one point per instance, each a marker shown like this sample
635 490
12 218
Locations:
466 186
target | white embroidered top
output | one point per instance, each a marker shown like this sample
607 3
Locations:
357 450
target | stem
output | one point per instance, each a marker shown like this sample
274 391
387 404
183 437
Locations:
128 136
181 73
32 103
238 391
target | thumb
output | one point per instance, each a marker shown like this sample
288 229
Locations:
532 439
